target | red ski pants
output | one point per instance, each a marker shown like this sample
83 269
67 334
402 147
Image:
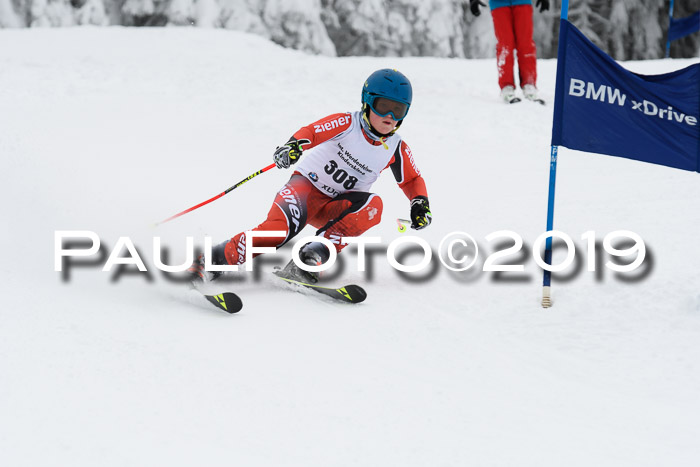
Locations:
513 28
299 203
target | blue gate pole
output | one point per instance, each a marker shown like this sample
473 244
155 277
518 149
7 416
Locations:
547 279
668 34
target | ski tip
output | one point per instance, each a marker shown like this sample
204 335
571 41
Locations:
227 301
357 293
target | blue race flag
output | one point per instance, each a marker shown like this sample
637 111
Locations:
683 26
601 107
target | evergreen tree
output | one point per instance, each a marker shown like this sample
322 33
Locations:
51 13
8 16
91 12
625 29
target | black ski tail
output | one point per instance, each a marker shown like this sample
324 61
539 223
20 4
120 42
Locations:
226 301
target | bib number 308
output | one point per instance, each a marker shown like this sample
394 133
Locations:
340 176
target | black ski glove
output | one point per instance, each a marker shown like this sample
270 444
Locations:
543 4
420 213
287 155
474 6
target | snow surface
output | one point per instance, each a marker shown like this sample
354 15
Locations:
110 130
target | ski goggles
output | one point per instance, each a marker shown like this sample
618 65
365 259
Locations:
383 107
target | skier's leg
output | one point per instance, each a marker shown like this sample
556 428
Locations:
288 214
348 215
505 37
525 45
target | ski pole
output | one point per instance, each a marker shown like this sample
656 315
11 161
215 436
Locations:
217 196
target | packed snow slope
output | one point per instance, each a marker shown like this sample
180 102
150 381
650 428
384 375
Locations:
110 130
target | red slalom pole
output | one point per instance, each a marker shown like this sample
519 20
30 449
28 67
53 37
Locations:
217 196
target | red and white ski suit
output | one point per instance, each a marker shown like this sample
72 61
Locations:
512 24
329 189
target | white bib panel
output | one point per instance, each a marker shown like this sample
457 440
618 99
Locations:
347 162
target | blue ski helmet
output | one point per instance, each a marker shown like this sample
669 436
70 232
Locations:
389 84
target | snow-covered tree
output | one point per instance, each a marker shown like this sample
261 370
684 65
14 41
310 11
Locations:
139 7
546 31
91 12
688 46
8 16
244 16
145 12
207 13
625 29
51 13
297 24
181 12
361 27
634 30
591 17
437 27
395 28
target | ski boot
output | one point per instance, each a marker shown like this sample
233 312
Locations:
312 254
530 93
198 275
508 95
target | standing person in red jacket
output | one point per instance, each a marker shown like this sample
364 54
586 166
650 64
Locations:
330 188
512 23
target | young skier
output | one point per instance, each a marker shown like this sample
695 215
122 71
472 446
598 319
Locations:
330 188
512 23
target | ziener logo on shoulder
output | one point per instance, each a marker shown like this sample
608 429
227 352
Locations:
408 152
340 121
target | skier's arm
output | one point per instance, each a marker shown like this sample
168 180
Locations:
406 173
323 130
309 136
411 182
